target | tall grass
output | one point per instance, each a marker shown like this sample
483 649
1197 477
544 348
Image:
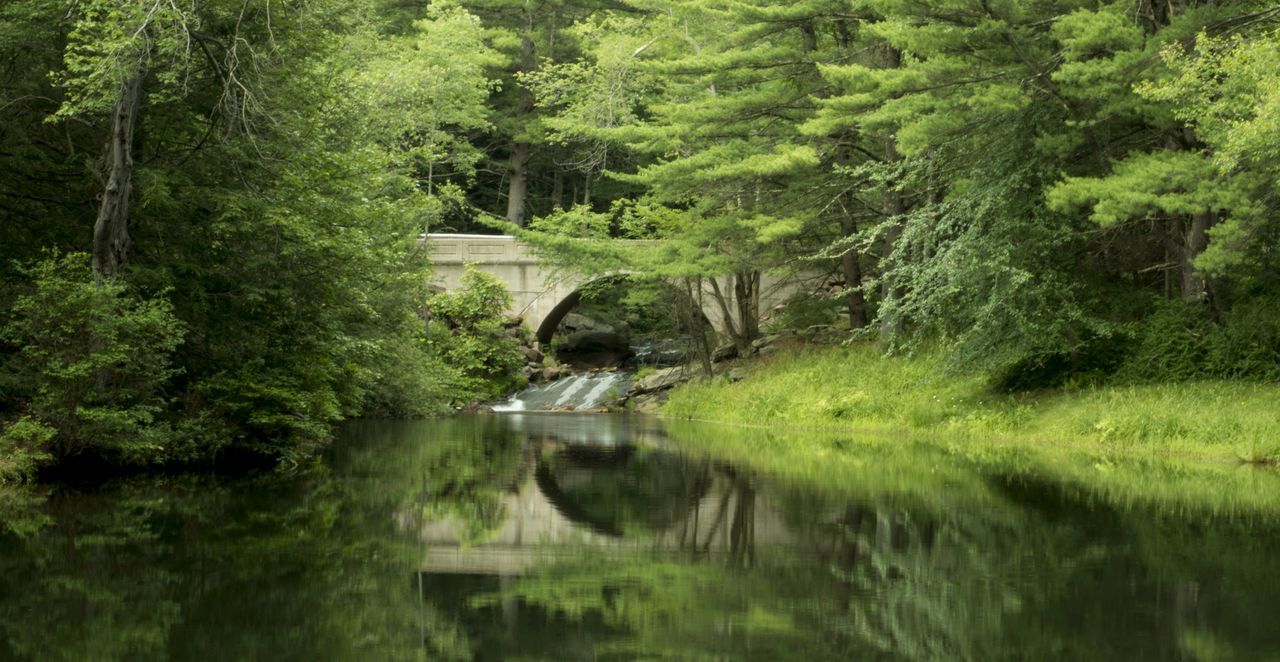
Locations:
856 388
940 472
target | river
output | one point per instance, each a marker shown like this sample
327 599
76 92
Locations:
595 536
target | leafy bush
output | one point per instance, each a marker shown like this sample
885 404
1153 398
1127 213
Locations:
1171 344
1247 344
1092 363
467 333
578 221
23 445
1181 341
805 310
279 411
94 358
412 383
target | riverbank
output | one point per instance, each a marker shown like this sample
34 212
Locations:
856 389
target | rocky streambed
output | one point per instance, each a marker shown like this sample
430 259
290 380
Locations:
600 368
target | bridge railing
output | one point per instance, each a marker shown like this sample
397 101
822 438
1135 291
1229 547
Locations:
459 249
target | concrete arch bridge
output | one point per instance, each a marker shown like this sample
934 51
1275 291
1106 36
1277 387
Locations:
542 296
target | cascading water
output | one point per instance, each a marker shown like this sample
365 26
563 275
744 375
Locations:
586 390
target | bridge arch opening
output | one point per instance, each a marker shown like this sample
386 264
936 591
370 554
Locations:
614 491
613 319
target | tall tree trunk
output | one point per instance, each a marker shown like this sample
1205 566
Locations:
518 182
518 186
746 290
111 229
891 295
557 189
809 35
722 302
850 260
852 271
843 36
894 207
742 321
1196 239
696 323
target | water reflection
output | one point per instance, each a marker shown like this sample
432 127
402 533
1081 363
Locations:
565 537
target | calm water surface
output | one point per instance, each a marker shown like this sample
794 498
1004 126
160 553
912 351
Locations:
566 537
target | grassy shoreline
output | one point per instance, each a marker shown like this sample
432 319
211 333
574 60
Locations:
857 390
933 440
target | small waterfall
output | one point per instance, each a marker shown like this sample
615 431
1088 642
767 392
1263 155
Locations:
585 390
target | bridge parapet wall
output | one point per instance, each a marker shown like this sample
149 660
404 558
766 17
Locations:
461 249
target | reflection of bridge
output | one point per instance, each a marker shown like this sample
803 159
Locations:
543 297
726 521
654 501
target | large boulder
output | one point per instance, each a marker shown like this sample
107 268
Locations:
577 322
595 341
661 380
725 352
594 349
648 403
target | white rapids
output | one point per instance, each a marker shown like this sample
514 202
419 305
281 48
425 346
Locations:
586 390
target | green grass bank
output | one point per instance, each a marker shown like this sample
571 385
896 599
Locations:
857 389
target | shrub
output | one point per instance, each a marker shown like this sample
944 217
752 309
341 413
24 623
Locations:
1247 344
467 333
1093 362
93 358
23 447
804 310
412 383
1171 345
1181 341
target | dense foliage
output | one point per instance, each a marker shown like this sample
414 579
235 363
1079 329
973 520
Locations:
255 272
91 365
1039 188
469 333
1050 191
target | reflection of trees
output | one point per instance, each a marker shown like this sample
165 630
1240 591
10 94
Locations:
1045 577
913 587
743 526
72 590
464 472
1026 574
654 606
731 521
317 566
193 568
965 565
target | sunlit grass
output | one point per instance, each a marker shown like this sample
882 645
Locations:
853 420
941 472
858 389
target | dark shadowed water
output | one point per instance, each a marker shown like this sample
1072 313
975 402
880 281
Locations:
567 537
